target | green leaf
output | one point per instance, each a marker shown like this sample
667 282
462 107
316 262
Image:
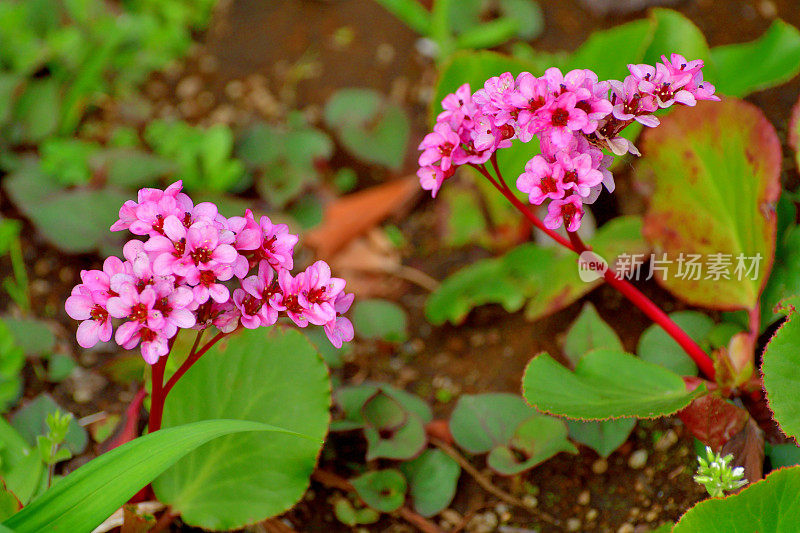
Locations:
380 319
274 377
29 420
391 430
12 359
383 490
37 111
133 168
784 280
603 436
794 132
489 34
90 494
712 195
546 277
605 384
656 346
465 222
772 59
767 506
351 401
370 128
34 336
433 479
535 440
780 367
675 33
588 332
780 455
482 421
609 52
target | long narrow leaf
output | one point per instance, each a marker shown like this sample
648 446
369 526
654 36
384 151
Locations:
489 34
86 497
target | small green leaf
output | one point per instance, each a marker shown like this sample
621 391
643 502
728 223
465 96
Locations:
30 421
656 346
34 336
772 59
603 436
767 506
528 14
383 490
537 439
482 421
133 168
675 33
605 384
73 504
433 479
391 430
380 319
588 332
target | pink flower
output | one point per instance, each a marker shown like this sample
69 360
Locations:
340 329
630 104
173 305
541 180
561 118
136 307
578 173
458 108
253 298
87 305
431 178
493 98
147 215
287 299
568 211
203 251
438 146
264 240
318 293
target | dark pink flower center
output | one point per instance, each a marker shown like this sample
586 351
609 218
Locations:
664 93
316 295
148 335
138 313
207 278
98 313
159 224
292 304
180 248
164 306
201 255
548 185
569 211
445 149
251 305
560 118
570 177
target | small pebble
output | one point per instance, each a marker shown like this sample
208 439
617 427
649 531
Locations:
208 64
234 89
600 466
638 459
666 441
483 523
584 498
189 87
573 524
591 514
626 528
451 516
530 500
651 515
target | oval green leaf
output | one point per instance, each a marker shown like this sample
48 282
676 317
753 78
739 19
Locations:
780 368
432 478
273 377
656 346
712 195
605 384
383 490
482 421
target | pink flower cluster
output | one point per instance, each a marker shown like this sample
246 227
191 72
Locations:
574 116
179 277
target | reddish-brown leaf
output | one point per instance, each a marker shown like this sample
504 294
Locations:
713 420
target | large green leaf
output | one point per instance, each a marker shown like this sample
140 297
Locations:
629 42
772 59
605 384
714 196
780 369
589 332
767 506
87 496
274 377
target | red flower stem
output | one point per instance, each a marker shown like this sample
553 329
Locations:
194 356
633 294
158 395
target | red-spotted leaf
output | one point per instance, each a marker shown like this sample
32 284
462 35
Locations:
769 506
605 384
711 173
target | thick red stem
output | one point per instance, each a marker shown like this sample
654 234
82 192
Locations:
633 294
157 396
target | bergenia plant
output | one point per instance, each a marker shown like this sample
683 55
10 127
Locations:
577 120
575 116
196 269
